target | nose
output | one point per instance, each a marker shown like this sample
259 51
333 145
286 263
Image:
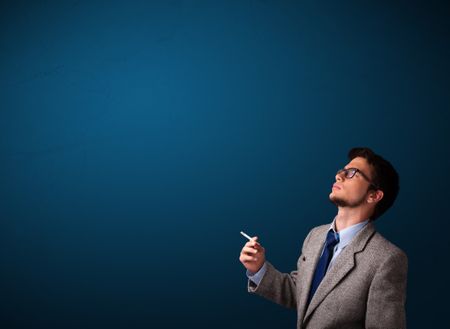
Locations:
339 176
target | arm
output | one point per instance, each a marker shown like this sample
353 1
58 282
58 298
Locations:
257 277
387 294
276 286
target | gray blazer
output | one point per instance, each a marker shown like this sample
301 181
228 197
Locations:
365 287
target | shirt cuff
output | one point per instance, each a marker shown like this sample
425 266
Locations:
258 276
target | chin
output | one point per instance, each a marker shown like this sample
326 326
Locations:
331 197
337 201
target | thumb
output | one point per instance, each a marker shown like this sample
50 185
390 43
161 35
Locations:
255 239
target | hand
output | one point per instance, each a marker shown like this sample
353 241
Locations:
253 255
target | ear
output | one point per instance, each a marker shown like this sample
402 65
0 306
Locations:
375 196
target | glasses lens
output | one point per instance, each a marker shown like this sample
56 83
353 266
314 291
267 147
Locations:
349 173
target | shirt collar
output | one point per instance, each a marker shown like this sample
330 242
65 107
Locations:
346 235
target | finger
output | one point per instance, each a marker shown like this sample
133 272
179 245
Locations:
249 250
247 259
252 243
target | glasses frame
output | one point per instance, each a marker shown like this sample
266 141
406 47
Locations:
351 172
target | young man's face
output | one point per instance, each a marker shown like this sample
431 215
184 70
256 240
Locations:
352 192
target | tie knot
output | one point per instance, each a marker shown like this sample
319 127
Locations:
332 239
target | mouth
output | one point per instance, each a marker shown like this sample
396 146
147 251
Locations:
336 187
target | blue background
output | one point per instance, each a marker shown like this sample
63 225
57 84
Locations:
139 138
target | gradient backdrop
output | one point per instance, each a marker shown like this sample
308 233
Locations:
138 139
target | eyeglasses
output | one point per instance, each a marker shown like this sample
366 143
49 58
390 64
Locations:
351 172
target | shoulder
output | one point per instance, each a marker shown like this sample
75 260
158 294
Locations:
384 245
381 250
319 230
316 235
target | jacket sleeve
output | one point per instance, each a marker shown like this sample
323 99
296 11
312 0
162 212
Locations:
276 286
387 294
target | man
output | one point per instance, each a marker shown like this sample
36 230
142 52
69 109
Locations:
348 275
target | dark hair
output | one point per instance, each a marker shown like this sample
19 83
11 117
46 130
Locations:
384 176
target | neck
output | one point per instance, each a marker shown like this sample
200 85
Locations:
347 217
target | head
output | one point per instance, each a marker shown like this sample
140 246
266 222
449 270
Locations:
373 183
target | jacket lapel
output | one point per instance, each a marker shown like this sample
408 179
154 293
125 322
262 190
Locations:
344 263
312 255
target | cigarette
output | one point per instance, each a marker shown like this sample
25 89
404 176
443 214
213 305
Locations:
247 236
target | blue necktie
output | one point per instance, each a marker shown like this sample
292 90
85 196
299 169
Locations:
322 265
